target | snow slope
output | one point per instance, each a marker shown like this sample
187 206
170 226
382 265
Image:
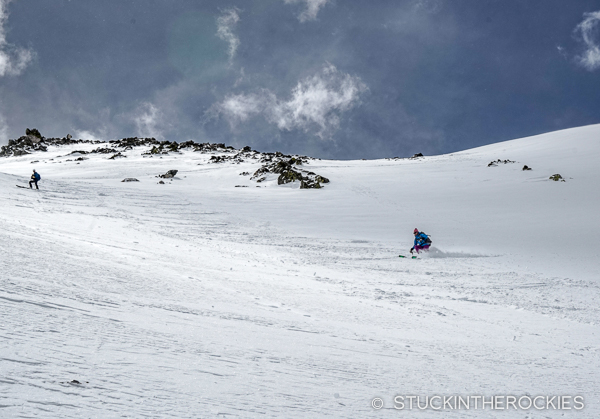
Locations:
197 298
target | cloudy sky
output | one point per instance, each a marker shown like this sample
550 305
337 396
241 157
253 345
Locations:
329 78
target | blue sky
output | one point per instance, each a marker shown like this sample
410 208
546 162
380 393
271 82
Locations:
327 78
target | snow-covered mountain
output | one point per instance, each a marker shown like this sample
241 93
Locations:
214 295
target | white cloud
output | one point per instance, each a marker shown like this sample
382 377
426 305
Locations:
315 104
239 108
312 8
147 120
13 60
225 25
589 31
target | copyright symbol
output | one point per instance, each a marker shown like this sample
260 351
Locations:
377 403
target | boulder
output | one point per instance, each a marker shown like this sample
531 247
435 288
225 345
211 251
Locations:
130 179
169 174
33 133
288 176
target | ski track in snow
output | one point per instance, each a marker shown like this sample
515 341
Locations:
163 304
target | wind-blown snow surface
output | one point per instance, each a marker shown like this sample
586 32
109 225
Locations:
198 299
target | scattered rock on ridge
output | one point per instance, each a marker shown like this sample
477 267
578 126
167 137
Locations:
104 150
413 157
556 178
526 167
287 167
496 162
130 179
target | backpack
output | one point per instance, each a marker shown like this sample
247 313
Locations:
427 240
37 176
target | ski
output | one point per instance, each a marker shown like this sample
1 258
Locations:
407 257
21 186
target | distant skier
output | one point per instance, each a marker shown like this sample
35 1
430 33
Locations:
35 177
422 241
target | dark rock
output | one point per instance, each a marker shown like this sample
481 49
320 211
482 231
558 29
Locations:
33 132
104 150
496 162
309 184
81 159
218 159
131 179
117 156
169 174
526 167
288 176
161 182
416 156
321 179
260 172
557 178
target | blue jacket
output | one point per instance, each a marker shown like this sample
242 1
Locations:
421 239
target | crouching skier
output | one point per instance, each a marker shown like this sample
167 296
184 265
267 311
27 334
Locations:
422 241
35 177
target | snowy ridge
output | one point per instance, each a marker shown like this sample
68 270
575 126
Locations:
195 298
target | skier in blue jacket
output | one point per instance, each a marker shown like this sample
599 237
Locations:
422 241
34 179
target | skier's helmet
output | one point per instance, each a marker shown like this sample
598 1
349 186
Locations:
416 231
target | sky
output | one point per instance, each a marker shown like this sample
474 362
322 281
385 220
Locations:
326 78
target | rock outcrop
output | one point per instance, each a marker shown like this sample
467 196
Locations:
288 168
